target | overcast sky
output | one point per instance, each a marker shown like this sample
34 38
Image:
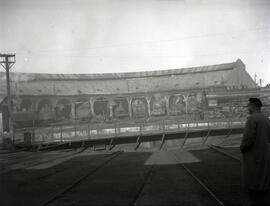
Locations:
96 36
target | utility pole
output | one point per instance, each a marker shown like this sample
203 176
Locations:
255 78
7 61
260 81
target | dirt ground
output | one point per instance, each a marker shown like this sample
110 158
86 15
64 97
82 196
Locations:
193 175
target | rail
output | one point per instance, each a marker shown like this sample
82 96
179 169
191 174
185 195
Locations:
215 148
82 178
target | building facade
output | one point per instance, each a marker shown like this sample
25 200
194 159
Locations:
216 91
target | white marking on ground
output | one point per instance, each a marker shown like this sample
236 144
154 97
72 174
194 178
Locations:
55 162
171 157
52 163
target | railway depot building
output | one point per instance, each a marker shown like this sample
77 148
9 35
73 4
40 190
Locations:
197 93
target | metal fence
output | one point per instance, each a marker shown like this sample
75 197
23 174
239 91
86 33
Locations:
119 129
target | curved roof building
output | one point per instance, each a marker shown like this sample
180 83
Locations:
185 93
223 75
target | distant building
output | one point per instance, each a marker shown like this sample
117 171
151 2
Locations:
215 91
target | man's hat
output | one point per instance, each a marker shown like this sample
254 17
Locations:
256 102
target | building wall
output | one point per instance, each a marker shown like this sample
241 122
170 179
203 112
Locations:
1 126
105 108
1 129
184 105
64 99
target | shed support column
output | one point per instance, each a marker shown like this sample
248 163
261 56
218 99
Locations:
53 109
111 104
34 108
54 102
186 109
34 105
186 101
92 106
129 107
148 106
167 104
73 110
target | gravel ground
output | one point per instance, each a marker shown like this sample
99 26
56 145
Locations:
221 173
33 187
172 185
128 179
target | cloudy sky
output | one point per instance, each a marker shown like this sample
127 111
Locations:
96 36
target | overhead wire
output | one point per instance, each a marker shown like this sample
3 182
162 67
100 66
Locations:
68 52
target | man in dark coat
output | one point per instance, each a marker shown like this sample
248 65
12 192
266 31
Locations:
256 154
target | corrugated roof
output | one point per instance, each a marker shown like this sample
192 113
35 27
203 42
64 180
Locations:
121 83
2 97
45 76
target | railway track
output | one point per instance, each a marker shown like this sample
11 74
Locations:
223 196
138 195
202 183
31 161
149 175
81 179
54 172
217 149
211 193
217 196
147 180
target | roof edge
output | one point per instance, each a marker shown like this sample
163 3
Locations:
124 75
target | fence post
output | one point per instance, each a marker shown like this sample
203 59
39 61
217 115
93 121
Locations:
52 136
138 142
208 132
159 126
61 134
33 133
88 131
186 135
75 133
115 129
97 129
163 126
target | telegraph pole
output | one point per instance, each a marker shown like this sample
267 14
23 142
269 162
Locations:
7 61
